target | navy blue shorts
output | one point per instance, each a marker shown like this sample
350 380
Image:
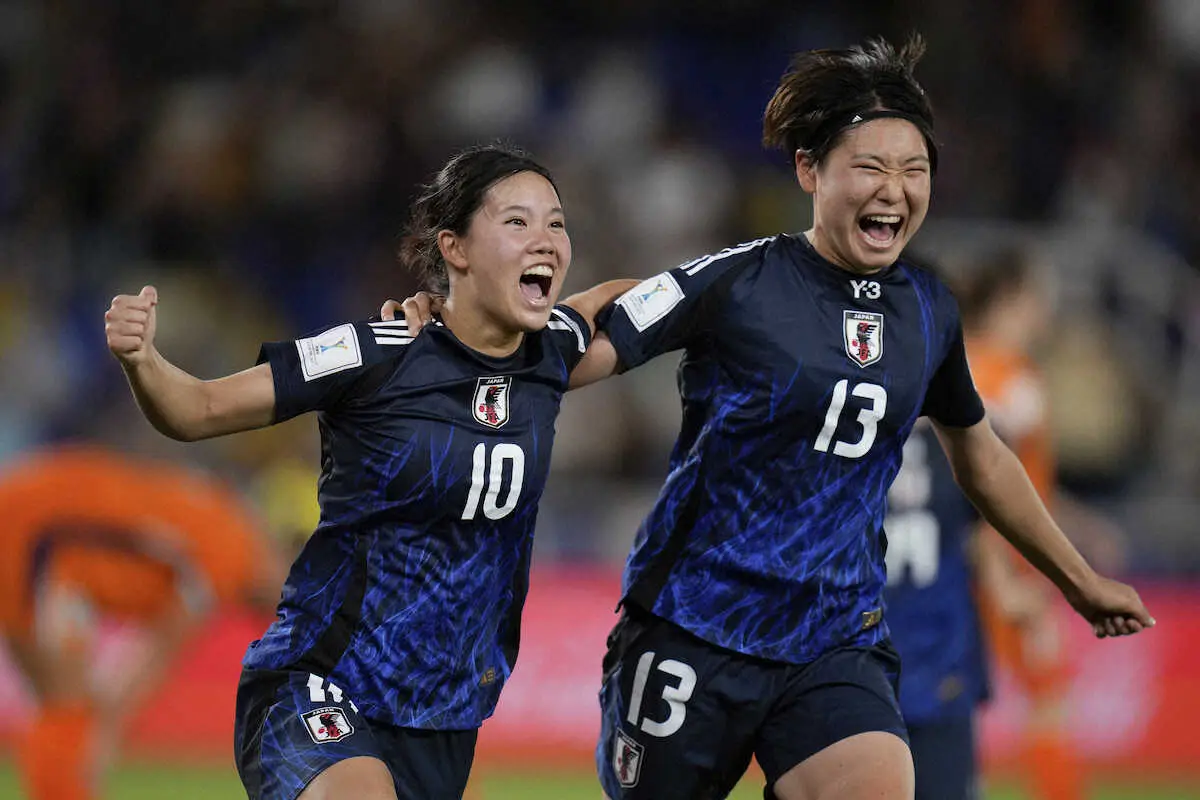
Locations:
291 726
681 718
944 756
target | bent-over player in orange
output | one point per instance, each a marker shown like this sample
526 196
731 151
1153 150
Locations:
89 534
1004 313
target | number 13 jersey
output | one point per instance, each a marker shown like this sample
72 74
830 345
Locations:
408 596
800 382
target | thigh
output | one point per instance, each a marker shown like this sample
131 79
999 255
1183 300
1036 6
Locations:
677 714
426 764
943 754
845 693
290 727
874 765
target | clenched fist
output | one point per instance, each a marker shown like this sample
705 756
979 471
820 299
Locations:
129 326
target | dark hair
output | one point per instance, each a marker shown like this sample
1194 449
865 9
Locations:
995 275
824 92
450 199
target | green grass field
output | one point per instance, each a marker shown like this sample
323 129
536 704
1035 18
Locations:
142 782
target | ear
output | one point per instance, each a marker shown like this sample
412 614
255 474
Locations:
806 171
452 248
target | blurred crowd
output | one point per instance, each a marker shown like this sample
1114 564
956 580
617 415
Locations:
254 160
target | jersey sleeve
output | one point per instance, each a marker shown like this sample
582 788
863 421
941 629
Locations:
569 333
951 398
323 369
674 309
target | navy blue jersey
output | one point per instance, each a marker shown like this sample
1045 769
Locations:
434 457
930 605
800 382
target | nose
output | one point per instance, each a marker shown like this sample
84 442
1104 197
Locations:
541 243
891 189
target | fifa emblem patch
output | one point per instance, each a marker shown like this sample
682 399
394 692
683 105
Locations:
327 724
864 336
332 351
627 760
490 404
651 300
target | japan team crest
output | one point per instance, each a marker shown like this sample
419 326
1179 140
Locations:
864 336
490 405
327 724
627 759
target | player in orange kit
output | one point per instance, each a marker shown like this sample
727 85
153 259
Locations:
88 535
1004 313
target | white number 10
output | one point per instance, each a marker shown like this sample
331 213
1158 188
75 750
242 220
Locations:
492 509
867 418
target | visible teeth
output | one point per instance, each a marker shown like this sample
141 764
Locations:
541 270
886 219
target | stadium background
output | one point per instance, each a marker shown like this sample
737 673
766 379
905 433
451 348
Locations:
254 159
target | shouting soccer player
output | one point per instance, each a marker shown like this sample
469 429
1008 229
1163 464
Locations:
400 619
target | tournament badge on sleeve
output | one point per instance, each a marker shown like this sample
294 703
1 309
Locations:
627 760
490 405
327 724
864 336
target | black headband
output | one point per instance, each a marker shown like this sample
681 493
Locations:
830 130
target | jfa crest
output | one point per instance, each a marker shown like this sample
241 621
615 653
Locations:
327 724
490 404
627 759
864 336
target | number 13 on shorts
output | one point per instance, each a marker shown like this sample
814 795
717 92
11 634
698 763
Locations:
675 695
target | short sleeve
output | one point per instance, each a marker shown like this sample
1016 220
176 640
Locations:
318 371
569 334
951 398
673 309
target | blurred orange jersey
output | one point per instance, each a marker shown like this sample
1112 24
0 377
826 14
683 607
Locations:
122 532
1014 394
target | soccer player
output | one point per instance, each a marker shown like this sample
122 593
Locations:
90 535
399 621
753 596
753 620
934 618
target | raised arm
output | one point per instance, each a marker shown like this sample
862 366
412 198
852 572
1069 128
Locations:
993 478
178 404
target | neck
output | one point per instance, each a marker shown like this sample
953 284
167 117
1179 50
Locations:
475 328
824 250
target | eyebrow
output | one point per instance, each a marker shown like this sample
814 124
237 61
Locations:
880 159
526 209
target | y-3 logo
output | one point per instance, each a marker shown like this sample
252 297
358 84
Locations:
869 289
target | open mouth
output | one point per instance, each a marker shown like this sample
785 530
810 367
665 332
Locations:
881 229
536 282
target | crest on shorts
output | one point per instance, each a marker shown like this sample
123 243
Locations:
327 724
490 405
864 336
627 759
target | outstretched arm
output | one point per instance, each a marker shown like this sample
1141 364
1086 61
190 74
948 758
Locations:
178 404
993 478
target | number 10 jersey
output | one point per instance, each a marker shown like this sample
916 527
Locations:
800 382
434 456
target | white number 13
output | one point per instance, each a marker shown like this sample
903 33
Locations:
867 418
676 696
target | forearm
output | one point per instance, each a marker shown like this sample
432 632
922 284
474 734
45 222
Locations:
996 483
589 303
173 401
183 407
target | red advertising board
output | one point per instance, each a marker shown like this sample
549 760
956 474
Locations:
1134 702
